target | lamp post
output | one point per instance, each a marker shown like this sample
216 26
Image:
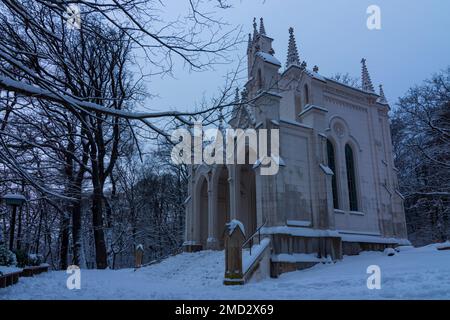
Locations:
13 200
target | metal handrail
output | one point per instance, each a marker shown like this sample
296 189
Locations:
250 239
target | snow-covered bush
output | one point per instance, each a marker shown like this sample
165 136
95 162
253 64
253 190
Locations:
24 259
7 258
35 259
389 252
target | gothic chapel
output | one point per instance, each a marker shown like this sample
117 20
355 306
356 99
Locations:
336 190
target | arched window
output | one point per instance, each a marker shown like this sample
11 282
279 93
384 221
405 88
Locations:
351 178
332 166
306 94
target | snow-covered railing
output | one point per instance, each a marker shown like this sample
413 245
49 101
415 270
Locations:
251 258
249 241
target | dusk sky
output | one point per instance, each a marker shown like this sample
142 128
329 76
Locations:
412 44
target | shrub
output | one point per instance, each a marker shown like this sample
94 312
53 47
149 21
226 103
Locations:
7 258
22 258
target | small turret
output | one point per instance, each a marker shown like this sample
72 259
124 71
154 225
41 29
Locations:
382 99
365 76
262 29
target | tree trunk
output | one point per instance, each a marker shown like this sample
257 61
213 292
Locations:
19 230
99 237
64 233
38 236
76 232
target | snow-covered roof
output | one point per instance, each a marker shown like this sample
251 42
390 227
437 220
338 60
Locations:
277 159
268 58
315 75
326 169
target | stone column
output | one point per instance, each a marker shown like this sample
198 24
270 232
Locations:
323 213
233 181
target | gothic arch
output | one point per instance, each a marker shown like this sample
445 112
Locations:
334 166
221 202
201 210
250 151
306 94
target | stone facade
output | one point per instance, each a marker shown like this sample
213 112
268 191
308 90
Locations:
336 190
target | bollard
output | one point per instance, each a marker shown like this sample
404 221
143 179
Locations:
234 238
139 254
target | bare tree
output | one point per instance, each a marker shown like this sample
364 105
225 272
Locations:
421 138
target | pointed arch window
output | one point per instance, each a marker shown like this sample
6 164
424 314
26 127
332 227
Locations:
351 178
332 166
306 94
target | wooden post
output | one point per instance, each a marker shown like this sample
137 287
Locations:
234 238
139 254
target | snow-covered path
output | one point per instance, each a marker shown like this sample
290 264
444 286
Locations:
421 273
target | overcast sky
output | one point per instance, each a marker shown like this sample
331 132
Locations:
412 44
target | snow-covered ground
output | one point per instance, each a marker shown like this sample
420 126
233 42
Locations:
413 273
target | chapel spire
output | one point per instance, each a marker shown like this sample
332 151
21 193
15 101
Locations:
292 54
365 76
262 29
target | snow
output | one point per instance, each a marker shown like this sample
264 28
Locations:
296 257
298 223
315 75
248 260
444 245
389 252
413 273
268 159
300 232
233 224
326 169
5 270
268 58
372 239
14 196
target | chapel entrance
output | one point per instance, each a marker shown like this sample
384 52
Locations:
223 205
202 212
